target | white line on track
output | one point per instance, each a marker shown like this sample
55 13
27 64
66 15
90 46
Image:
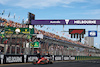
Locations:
14 64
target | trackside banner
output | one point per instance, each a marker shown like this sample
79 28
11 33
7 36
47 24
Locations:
13 59
65 57
30 58
58 58
65 22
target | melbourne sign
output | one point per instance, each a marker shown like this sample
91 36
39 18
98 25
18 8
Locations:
13 59
65 22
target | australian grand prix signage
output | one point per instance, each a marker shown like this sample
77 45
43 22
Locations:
65 22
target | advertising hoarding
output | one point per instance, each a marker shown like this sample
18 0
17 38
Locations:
92 33
66 22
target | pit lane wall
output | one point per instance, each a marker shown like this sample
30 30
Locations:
6 59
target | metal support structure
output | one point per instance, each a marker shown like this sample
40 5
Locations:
16 45
99 46
33 46
29 44
21 43
29 49
97 27
64 44
68 50
63 27
25 48
5 44
10 43
80 39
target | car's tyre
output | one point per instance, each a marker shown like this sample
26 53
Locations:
50 62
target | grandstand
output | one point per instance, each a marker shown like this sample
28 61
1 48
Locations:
51 43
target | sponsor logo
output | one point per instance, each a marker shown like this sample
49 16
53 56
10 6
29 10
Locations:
32 58
72 58
54 21
85 22
17 30
13 59
66 21
57 58
77 31
92 33
66 58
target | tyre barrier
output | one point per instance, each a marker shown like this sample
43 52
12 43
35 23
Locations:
5 59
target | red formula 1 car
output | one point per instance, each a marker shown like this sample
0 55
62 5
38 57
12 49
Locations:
43 61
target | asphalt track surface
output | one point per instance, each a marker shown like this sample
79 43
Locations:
93 63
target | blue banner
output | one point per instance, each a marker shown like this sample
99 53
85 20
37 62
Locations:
92 33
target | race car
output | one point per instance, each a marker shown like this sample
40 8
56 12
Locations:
43 60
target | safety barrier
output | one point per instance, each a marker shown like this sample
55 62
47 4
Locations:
5 59
86 57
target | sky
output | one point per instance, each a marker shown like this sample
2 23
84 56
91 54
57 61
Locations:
54 9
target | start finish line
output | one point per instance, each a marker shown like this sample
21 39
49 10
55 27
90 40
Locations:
65 22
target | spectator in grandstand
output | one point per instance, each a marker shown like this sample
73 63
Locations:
11 23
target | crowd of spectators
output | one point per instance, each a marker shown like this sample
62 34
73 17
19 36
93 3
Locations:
58 37
9 23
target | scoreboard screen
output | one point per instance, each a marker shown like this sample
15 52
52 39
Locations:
76 31
30 17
